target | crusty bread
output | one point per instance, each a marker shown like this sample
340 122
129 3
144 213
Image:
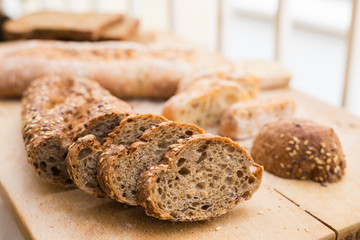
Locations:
57 111
127 69
300 149
271 74
244 119
62 26
83 156
118 169
123 30
204 106
206 76
200 178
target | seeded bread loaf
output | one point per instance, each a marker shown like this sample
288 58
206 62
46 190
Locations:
62 26
200 178
244 119
204 77
56 111
118 169
300 149
126 69
82 159
204 106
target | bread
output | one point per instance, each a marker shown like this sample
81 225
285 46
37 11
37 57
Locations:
243 120
271 74
200 178
56 111
300 149
204 107
62 26
118 169
127 69
124 30
82 159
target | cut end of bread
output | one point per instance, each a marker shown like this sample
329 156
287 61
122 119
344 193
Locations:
82 162
201 178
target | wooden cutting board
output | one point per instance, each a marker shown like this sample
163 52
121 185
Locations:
280 209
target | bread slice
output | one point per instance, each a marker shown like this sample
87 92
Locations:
62 26
200 178
244 119
56 111
271 74
119 170
128 70
123 30
82 159
206 76
204 107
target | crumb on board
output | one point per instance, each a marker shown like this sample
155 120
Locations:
217 229
260 212
306 229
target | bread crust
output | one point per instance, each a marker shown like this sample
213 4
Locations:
300 149
127 69
148 178
243 120
55 112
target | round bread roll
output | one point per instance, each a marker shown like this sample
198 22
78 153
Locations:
300 149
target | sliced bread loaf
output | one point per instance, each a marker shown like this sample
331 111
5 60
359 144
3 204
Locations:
56 111
200 178
82 159
204 106
118 170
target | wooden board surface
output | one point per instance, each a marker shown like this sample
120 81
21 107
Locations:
45 211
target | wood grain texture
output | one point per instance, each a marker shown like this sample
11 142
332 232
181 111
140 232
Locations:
50 212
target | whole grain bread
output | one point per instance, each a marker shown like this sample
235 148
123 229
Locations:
126 69
82 159
118 169
204 106
300 149
243 120
200 178
56 111
60 25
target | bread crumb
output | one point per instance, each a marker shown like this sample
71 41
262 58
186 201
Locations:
285 227
217 229
306 229
260 212
298 229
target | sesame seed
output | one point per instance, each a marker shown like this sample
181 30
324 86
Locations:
322 151
288 149
319 161
321 179
288 166
308 152
328 161
313 165
148 199
320 167
327 168
297 147
306 229
311 148
217 229
282 165
306 142
323 145
294 152
291 142
311 157
328 154
287 173
281 135
300 170
295 139
260 212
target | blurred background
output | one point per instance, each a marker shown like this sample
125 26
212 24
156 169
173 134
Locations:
316 39
310 37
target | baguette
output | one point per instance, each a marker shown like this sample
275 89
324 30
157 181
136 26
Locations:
82 159
300 149
204 106
243 120
127 69
56 111
200 178
62 26
118 169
